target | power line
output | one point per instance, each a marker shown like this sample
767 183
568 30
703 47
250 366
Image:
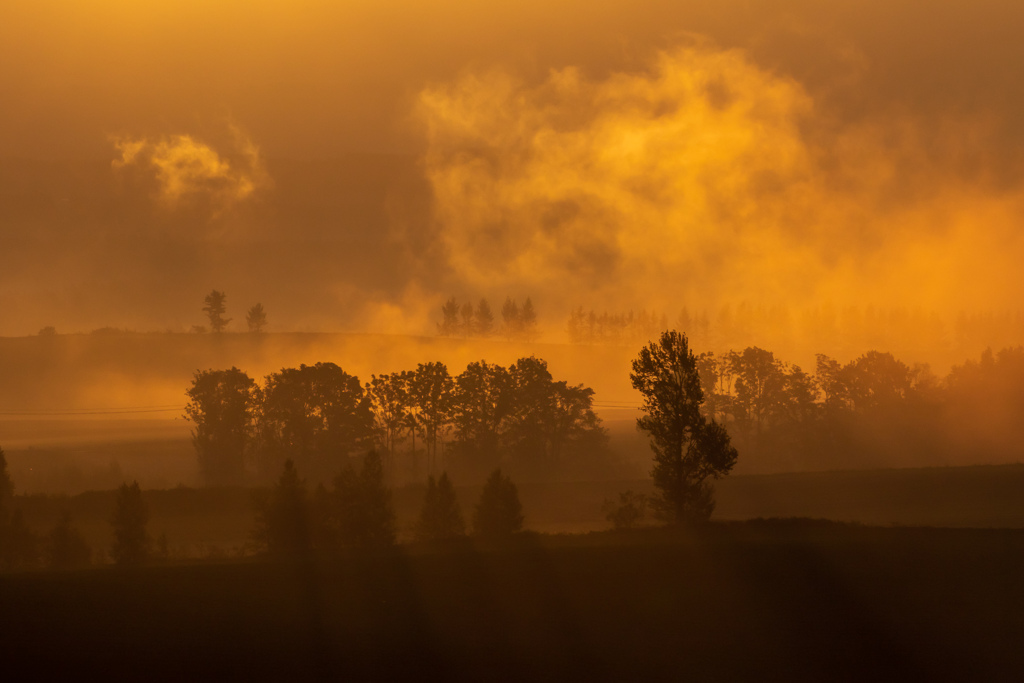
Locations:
90 411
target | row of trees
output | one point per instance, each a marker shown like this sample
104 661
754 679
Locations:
215 308
517 322
587 327
357 511
421 421
840 330
64 547
873 406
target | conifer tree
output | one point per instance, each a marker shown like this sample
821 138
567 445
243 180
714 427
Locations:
131 541
499 513
440 517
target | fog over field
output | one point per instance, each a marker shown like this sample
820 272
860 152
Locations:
527 340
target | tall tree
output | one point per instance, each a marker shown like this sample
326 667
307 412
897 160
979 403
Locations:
431 388
362 514
480 406
528 320
131 541
389 402
256 319
468 325
283 519
499 513
449 325
484 319
440 516
224 406
215 310
688 449
316 415
510 318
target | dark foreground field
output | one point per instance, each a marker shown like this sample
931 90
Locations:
790 600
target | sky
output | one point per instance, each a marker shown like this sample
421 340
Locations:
351 165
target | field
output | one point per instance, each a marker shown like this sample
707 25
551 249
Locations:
783 600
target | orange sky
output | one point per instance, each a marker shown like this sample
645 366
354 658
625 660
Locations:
352 164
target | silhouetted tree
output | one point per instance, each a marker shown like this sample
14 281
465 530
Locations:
547 420
510 318
481 403
688 450
449 325
66 549
316 416
440 516
131 541
389 403
224 405
467 325
499 513
215 310
431 389
361 513
283 521
483 319
256 319
528 320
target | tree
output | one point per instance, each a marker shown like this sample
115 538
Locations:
256 319
449 325
511 319
480 406
688 449
282 525
484 319
440 516
131 541
66 549
430 388
499 513
316 415
528 320
223 404
389 403
215 310
361 512
468 325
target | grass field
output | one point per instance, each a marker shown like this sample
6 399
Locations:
782 600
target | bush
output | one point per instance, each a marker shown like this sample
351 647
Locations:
629 512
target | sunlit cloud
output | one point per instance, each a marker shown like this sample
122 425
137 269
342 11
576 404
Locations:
186 168
704 178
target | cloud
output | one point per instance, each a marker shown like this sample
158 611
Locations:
187 169
704 179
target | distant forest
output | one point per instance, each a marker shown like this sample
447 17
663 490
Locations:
845 332
872 410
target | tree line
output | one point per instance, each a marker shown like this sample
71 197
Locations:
873 406
421 421
355 513
466 320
